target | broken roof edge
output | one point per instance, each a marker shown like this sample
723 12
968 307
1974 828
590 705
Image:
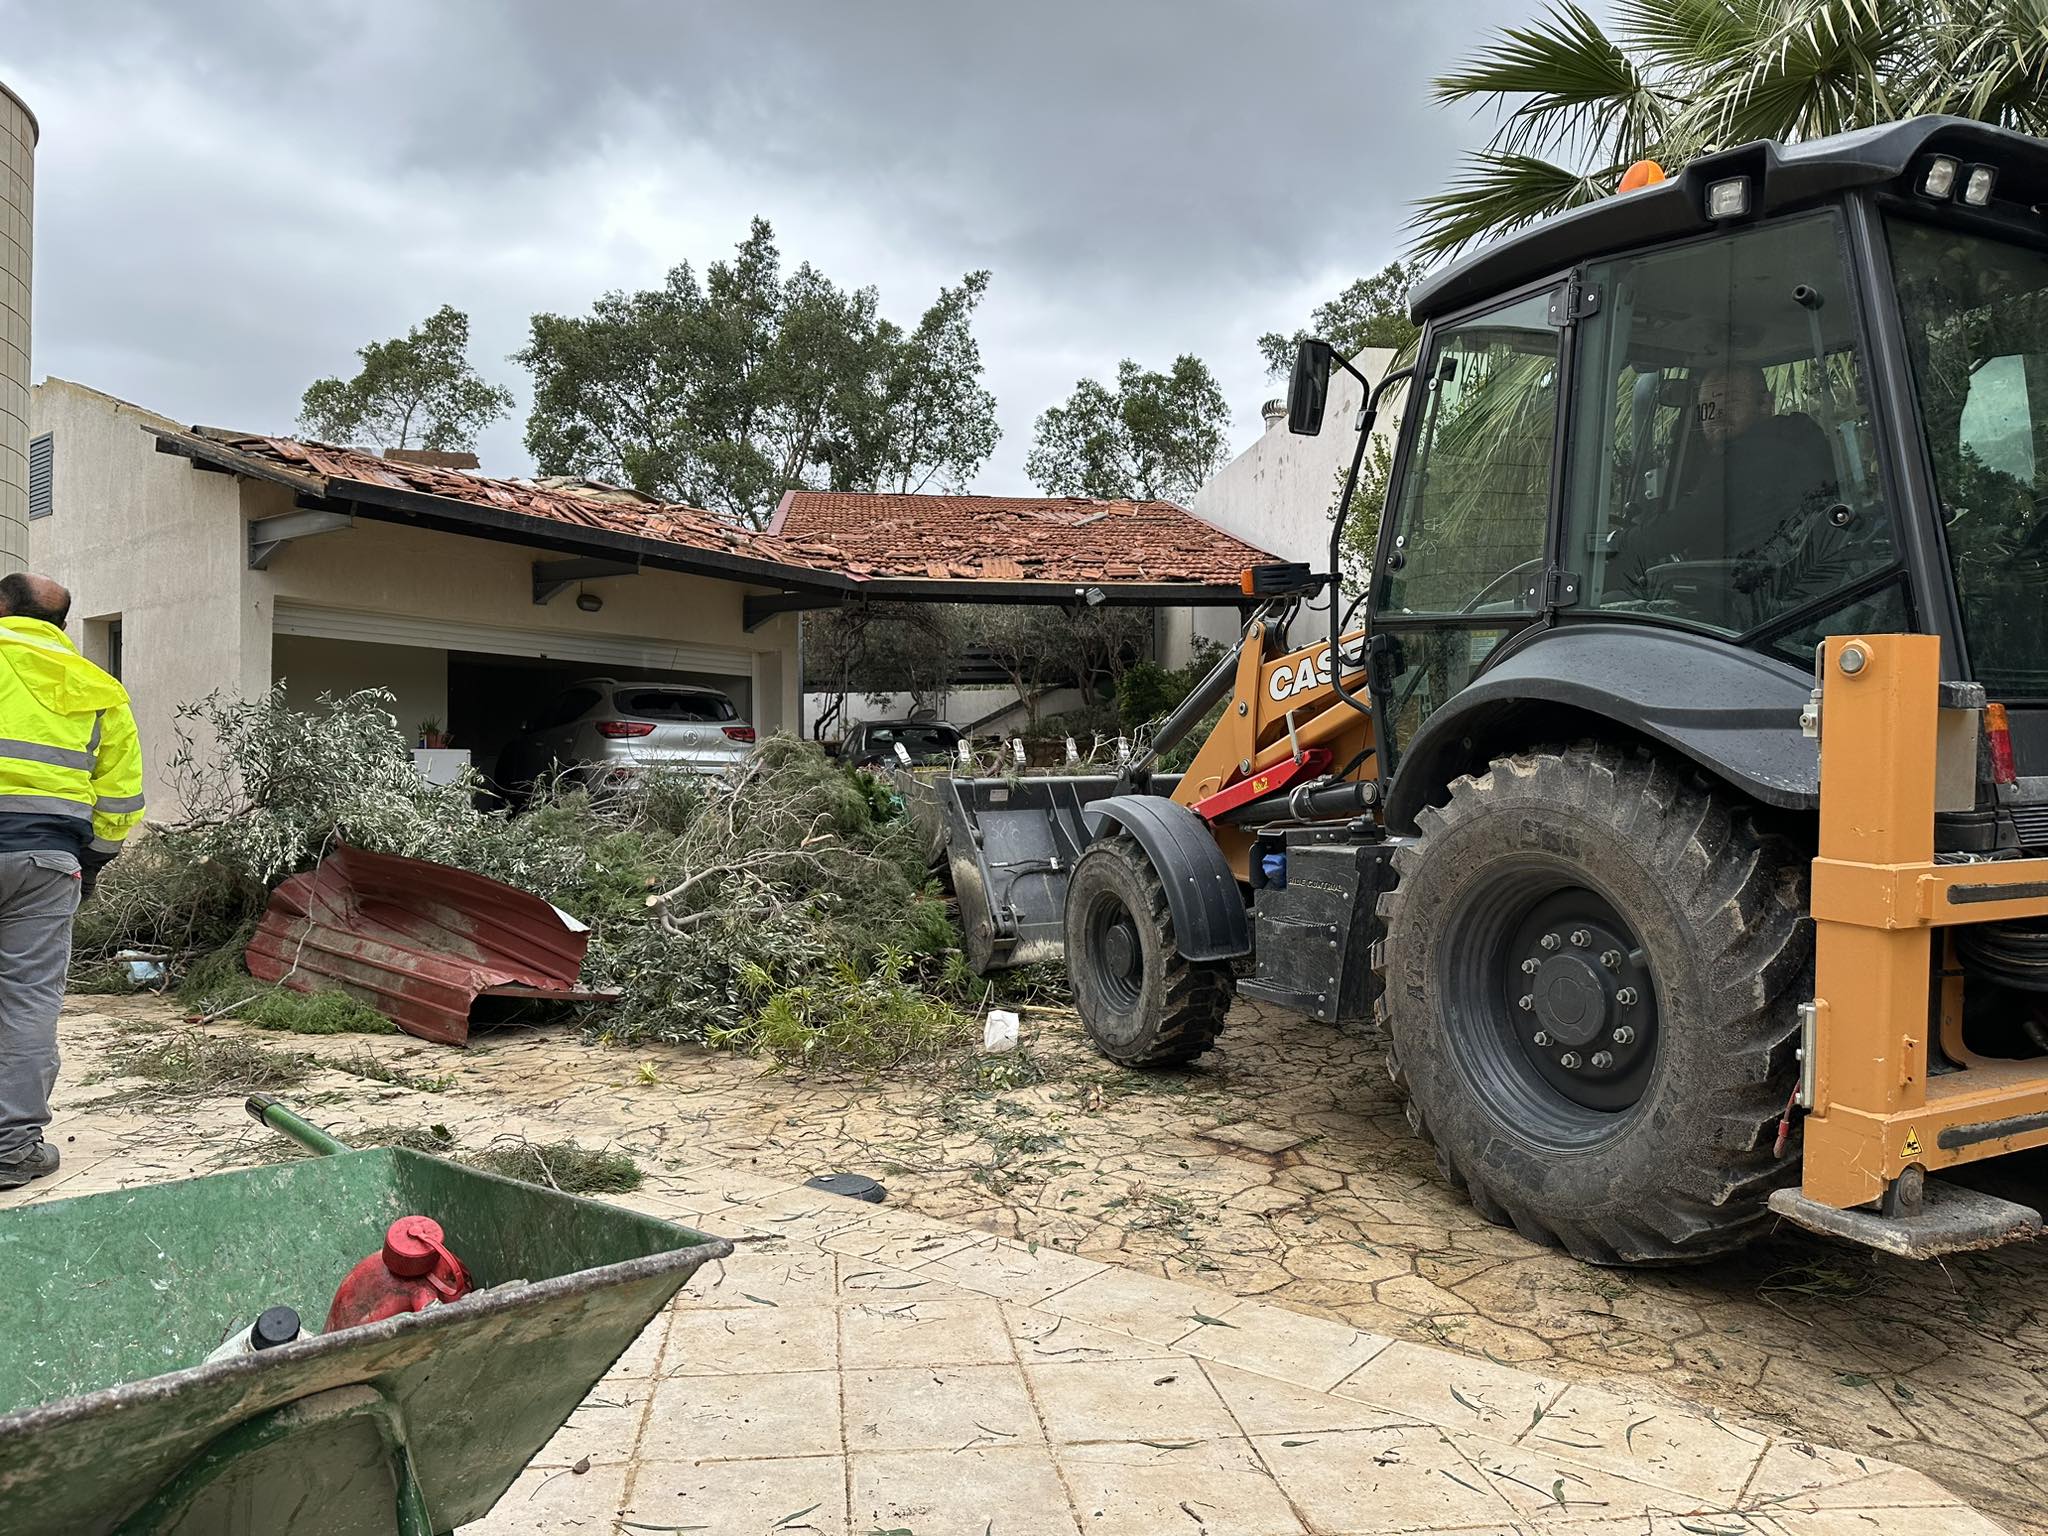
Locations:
1118 594
410 507
384 503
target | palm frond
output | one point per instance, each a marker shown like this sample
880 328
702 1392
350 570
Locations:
1815 67
1687 36
1499 191
1571 84
1993 65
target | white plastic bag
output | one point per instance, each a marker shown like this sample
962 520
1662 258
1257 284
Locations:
1000 1033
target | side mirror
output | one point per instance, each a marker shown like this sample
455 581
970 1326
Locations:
1309 390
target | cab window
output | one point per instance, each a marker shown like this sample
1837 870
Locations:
1469 527
1723 469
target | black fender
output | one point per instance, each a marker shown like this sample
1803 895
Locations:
1735 712
1209 918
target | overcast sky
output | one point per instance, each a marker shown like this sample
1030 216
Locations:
231 197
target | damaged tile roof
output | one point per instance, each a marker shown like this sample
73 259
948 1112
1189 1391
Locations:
831 538
588 504
1064 539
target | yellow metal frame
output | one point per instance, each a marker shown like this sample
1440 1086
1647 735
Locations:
1279 702
1880 904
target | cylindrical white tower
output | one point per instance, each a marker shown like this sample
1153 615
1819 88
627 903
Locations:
17 199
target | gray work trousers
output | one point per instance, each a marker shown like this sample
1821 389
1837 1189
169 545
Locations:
38 899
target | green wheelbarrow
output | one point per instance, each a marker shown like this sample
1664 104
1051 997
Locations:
110 1425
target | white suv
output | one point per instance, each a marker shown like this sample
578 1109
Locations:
603 728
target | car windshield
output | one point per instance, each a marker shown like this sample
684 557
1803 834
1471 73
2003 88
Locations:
917 740
673 704
1976 316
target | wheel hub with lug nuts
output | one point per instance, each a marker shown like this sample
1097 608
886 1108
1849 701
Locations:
1582 1001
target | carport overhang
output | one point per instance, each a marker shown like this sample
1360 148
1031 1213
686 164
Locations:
324 504
1159 594
621 553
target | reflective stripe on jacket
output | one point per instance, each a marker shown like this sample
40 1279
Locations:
67 738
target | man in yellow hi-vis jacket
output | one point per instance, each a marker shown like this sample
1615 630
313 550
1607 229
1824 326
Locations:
70 792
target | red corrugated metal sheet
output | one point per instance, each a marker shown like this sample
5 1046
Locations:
419 942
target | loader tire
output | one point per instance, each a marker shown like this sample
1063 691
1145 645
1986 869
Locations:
1142 1004
1593 965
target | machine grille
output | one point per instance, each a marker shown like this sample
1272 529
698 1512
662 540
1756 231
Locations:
2032 821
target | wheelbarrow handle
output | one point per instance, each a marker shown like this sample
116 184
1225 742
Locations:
279 1116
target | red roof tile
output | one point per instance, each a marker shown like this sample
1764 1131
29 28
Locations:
1063 540
585 503
1014 538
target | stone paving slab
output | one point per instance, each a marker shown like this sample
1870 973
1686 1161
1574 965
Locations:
1099 1390
802 1386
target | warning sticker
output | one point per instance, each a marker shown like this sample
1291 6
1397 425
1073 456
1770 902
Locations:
1912 1146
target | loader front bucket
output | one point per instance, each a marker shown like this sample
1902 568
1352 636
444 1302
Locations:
1008 847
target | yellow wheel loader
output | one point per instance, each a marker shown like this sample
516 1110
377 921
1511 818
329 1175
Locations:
1679 811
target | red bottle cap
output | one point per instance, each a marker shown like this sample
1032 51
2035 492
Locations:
412 1246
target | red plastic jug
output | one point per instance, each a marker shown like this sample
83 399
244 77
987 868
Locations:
412 1272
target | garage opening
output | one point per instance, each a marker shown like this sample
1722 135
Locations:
470 703
492 699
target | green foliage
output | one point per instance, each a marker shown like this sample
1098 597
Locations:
1579 102
560 1165
785 884
728 390
880 649
1368 502
1039 646
1154 436
314 1013
874 1018
1149 691
1371 312
416 391
192 1064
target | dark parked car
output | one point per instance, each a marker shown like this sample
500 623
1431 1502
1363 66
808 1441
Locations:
875 741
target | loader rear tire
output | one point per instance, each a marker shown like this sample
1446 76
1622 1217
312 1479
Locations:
1594 962
1142 1004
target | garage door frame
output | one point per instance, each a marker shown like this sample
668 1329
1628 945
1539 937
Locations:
428 632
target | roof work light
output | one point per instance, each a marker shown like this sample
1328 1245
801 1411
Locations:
1939 178
1728 199
1977 185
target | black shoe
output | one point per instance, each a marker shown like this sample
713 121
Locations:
38 1162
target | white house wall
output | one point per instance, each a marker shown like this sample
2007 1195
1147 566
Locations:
141 536
1279 493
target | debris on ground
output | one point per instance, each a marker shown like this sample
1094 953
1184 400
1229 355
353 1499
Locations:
567 1166
315 1013
192 1063
785 908
425 940
559 1165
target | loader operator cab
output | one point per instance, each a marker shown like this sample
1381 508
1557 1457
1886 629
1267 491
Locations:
1717 471
1792 393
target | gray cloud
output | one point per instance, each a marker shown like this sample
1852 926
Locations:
232 196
